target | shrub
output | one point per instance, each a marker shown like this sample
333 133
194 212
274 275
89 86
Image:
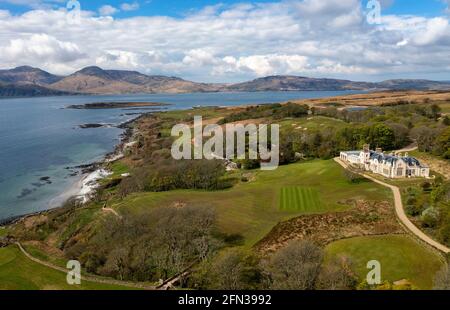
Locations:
295 267
426 186
413 210
352 176
430 217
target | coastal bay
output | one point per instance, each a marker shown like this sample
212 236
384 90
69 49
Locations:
40 138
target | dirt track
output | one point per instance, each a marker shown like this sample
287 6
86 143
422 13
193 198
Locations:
399 210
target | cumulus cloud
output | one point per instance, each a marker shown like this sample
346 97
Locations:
107 10
130 6
435 29
261 65
234 42
40 47
447 9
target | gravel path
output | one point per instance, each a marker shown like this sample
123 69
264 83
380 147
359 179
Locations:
399 210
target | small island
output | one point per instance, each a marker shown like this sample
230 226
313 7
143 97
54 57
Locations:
116 105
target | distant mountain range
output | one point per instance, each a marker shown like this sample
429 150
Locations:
29 81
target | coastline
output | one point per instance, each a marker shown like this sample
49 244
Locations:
85 170
83 189
85 186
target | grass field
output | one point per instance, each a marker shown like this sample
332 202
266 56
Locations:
311 123
18 272
445 107
252 209
401 257
3 231
299 199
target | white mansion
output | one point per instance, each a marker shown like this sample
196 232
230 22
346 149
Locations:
390 166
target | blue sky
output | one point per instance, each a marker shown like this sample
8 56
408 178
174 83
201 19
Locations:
233 40
178 8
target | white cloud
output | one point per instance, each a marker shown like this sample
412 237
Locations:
199 57
237 42
435 29
122 59
107 10
130 6
447 2
4 14
40 47
261 65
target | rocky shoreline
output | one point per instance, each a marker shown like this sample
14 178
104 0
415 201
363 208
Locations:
90 174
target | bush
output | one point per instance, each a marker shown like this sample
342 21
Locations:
413 209
232 269
295 267
411 200
430 217
426 187
352 176
148 246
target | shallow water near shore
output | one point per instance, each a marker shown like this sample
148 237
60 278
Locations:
39 139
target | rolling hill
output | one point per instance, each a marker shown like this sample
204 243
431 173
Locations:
95 80
8 90
292 83
28 75
29 81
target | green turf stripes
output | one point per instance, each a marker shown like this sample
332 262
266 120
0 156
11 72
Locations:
296 198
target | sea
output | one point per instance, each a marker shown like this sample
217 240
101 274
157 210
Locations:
40 139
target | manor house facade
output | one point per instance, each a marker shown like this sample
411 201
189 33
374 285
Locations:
390 166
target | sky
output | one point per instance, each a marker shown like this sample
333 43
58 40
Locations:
232 40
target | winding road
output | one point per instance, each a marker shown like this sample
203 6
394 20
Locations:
399 210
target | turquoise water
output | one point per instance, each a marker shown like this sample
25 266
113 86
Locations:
39 138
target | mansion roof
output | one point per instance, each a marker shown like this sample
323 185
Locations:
391 159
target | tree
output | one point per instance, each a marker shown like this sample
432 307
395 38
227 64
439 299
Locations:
382 136
117 262
337 275
442 144
425 137
295 267
233 269
446 121
228 271
401 134
435 111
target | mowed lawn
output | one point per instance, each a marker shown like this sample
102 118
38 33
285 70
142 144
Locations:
17 272
311 123
252 209
300 199
400 256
